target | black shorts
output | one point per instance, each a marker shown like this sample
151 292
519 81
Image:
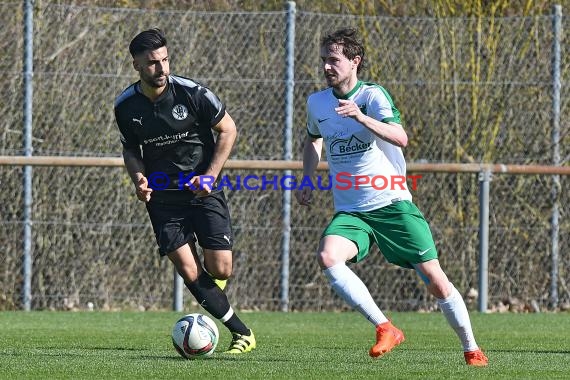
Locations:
206 219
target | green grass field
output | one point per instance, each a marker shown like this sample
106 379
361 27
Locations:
136 345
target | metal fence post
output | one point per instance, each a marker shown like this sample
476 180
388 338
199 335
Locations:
484 182
556 85
28 106
287 151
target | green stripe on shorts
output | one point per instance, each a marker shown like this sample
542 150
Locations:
400 231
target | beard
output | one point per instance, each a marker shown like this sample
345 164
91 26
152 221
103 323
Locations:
332 81
156 81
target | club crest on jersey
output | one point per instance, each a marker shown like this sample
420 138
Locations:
180 112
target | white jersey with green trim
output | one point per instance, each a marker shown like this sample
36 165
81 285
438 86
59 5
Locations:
366 172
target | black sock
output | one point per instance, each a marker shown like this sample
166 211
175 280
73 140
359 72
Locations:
234 324
211 298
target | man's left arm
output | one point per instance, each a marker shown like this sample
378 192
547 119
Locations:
388 131
203 184
227 133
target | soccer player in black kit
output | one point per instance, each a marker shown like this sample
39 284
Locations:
168 126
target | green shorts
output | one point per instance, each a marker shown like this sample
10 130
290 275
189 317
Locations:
399 230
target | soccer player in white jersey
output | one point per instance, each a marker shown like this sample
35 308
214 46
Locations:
361 129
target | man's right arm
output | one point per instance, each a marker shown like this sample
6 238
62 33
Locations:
311 157
135 168
132 158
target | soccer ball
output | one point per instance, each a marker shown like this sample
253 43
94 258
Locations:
195 335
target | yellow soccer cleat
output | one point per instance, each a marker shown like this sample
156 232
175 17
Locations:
241 343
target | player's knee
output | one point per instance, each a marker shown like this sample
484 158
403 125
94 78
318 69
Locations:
186 270
221 272
327 258
223 275
188 273
218 265
440 288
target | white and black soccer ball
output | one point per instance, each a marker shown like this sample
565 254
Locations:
195 335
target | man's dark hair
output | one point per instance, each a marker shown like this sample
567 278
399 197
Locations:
350 43
151 39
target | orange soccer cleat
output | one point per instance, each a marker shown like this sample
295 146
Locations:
387 337
476 358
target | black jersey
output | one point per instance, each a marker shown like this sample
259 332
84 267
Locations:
174 132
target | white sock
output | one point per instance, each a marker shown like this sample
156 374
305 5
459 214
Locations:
351 288
455 311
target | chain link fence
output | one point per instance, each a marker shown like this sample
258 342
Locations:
470 90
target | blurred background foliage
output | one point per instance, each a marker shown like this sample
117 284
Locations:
396 8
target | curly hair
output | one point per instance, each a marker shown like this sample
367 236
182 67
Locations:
349 40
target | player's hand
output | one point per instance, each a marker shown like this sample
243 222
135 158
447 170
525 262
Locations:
348 108
142 190
304 196
200 185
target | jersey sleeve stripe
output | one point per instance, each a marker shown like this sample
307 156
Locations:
129 91
313 135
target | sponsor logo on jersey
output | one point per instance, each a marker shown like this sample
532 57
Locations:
343 147
180 112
